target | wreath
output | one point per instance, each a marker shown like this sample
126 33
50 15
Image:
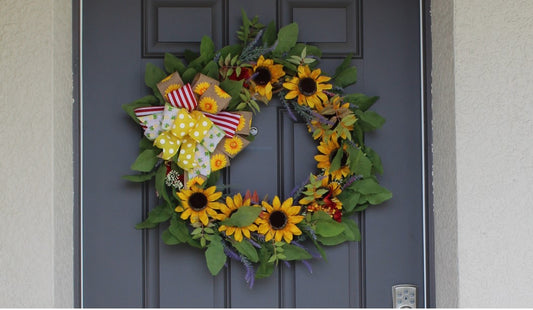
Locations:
200 117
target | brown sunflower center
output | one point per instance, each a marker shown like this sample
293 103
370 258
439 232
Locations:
198 201
262 76
307 86
278 219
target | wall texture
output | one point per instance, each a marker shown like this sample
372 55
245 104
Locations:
36 181
489 95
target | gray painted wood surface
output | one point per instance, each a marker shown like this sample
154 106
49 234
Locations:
124 267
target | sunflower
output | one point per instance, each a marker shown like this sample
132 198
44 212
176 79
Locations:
329 148
218 161
171 88
221 93
196 180
342 117
279 220
227 210
308 87
265 74
242 123
233 145
321 195
199 204
200 88
208 104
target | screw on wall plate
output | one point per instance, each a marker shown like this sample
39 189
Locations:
404 296
253 131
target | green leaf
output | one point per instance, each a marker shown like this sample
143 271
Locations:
265 268
359 163
233 88
245 26
247 249
292 252
332 240
146 161
139 177
145 144
368 186
320 215
152 76
160 186
376 199
346 63
145 101
310 50
190 56
179 229
168 238
347 77
157 215
375 159
207 48
173 64
349 199
269 35
287 37
328 228
336 162
215 257
351 230
235 49
244 216
211 70
369 120
188 75
362 101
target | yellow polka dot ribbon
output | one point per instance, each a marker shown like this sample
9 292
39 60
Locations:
186 131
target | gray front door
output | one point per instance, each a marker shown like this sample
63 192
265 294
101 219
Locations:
124 267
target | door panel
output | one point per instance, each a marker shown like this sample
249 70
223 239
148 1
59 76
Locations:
130 268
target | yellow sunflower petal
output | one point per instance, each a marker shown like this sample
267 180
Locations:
316 73
230 230
185 215
238 235
287 235
279 235
276 203
203 217
266 206
292 94
286 204
323 79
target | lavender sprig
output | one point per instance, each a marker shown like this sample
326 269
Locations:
308 265
351 180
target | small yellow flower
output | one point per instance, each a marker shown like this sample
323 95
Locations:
199 204
170 88
221 93
308 87
218 161
242 122
233 145
200 88
208 104
231 206
166 79
279 220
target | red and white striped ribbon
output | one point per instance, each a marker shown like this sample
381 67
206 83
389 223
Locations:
183 98
146 111
227 121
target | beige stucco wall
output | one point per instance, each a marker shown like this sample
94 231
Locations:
483 152
36 246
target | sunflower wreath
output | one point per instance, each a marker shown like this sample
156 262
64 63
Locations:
200 118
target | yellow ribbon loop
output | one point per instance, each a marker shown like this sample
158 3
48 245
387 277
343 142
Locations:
187 130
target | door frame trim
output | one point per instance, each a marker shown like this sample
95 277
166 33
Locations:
427 157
